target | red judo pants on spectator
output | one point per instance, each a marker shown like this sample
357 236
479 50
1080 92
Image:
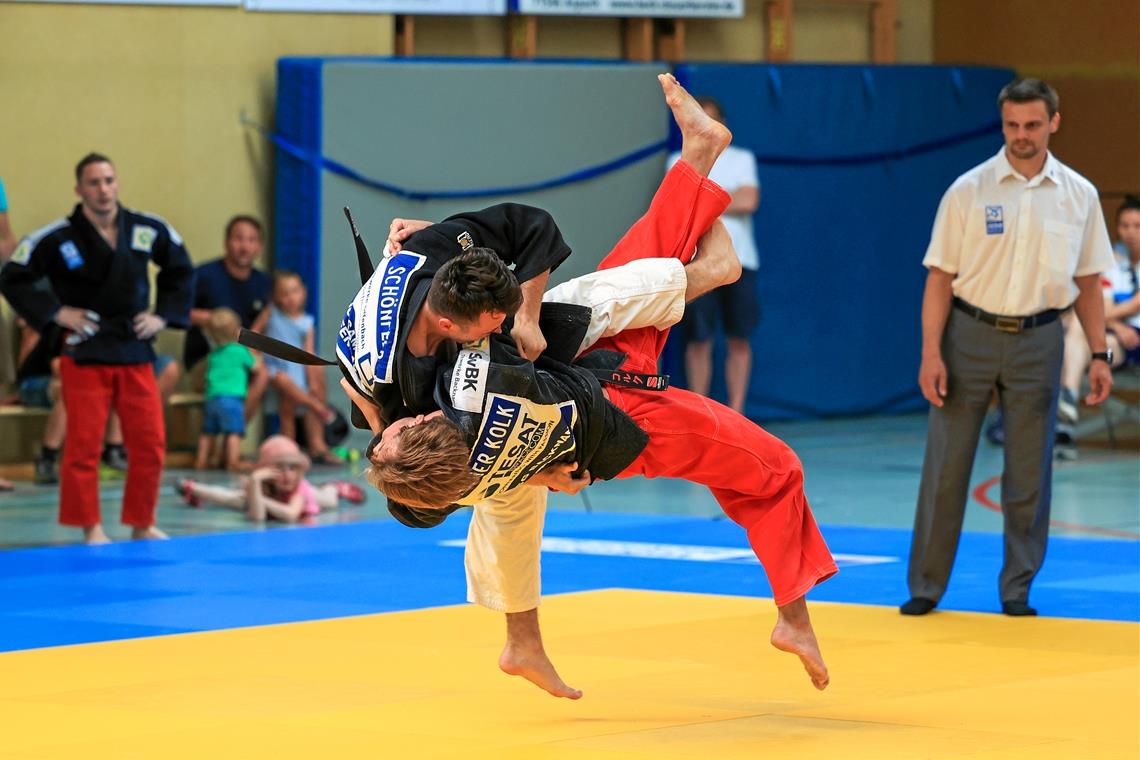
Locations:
755 477
90 391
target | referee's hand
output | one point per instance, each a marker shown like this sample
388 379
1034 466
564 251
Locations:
932 379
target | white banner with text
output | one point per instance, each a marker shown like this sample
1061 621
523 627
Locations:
404 7
624 8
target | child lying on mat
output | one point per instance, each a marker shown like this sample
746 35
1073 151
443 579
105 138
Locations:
276 489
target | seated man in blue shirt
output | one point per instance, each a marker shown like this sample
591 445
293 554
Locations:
231 282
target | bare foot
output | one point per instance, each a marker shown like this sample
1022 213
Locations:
716 263
536 668
793 633
148 534
94 535
703 138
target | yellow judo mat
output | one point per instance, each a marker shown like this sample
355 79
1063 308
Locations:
665 676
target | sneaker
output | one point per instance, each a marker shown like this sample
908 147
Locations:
1067 410
995 431
47 471
1064 443
185 489
115 458
350 492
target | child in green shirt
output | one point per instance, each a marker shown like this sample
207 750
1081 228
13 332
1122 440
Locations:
228 368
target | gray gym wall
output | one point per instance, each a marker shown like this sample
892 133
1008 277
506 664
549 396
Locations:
451 125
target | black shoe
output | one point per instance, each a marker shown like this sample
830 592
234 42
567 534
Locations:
46 472
918 605
1017 609
995 431
115 458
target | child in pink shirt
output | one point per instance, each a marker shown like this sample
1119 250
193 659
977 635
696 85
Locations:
276 489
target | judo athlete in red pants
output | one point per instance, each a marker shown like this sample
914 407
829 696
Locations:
770 504
88 274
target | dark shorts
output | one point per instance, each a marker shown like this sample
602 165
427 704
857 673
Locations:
161 362
34 391
736 306
224 415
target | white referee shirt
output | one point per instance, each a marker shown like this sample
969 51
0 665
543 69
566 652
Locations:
1016 244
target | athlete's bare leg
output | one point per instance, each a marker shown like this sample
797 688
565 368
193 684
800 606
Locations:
525 656
793 633
703 138
716 263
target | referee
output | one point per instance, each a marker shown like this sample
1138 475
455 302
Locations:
1017 240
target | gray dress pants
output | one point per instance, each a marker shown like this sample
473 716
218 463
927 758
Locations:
1025 368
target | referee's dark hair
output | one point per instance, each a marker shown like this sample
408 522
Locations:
1028 90
90 158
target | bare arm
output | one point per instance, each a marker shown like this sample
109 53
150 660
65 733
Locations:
315 374
7 239
260 506
199 317
932 376
1121 311
1089 308
285 386
402 229
528 337
744 201
260 321
370 411
560 477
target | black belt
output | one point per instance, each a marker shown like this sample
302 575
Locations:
1007 324
643 381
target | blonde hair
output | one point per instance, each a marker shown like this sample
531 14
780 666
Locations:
223 327
430 468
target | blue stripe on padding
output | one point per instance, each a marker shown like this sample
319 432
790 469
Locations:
297 195
315 160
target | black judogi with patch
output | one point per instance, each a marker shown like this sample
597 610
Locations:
70 263
372 342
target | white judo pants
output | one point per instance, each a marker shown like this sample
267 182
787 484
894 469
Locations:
505 537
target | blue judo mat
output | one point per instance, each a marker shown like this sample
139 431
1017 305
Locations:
79 594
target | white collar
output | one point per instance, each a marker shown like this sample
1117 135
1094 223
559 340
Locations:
1050 171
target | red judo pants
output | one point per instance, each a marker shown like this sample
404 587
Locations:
755 477
89 393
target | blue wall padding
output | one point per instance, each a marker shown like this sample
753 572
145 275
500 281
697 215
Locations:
297 196
853 162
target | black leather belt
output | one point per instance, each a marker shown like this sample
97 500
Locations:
1007 324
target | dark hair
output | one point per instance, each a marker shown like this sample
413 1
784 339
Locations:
1131 203
244 218
90 158
1028 90
473 283
429 470
705 101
